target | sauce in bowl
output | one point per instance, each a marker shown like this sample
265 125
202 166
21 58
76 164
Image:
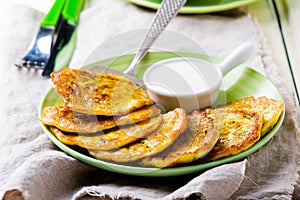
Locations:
189 83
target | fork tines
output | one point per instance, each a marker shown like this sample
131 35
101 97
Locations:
39 51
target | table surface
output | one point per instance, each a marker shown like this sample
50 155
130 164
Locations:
288 15
278 20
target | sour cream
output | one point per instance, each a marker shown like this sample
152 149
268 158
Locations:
182 77
183 82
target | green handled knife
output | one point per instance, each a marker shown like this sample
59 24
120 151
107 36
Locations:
51 18
66 30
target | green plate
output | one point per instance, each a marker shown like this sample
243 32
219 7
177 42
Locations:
198 6
239 83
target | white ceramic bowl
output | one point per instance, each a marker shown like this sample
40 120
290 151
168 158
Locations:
190 83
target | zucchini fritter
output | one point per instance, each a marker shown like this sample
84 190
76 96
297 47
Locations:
174 123
70 121
239 130
98 93
270 109
112 138
197 141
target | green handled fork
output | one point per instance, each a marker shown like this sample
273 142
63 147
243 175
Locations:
55 31
40 48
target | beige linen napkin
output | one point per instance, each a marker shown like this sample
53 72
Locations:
32 168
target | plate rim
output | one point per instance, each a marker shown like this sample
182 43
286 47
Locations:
195 9
156 172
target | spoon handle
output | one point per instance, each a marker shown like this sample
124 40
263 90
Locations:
166 12
237 57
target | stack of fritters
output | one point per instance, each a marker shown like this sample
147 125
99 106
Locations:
114 119
101 111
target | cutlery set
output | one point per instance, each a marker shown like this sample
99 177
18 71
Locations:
56 30
59 24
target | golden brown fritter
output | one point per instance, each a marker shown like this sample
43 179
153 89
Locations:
270 109
70 121
98 93
239 130
174 123
112 138
197 141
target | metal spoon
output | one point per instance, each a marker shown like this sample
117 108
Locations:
166 12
